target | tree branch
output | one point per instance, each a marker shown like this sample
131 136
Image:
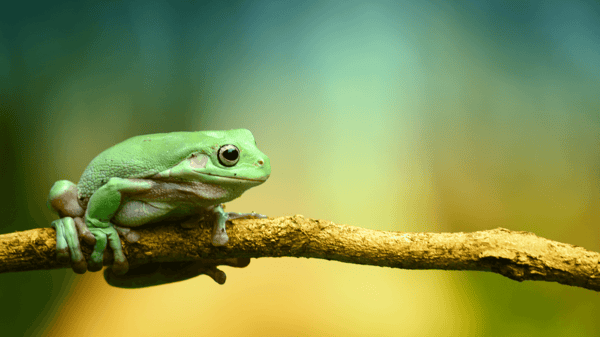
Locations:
517 255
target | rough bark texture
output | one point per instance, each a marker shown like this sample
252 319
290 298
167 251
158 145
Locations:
517 255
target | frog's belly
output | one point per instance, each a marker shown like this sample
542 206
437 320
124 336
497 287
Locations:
136 213
169 200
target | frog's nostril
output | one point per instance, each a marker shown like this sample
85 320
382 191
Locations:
260 162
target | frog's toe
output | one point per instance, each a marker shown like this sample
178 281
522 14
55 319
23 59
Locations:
120 267
220 238
80 267
97 256
216 274
67 244
71 235
62 248
234 215
132 237
84 232
129 235
219 276
219 234
120 264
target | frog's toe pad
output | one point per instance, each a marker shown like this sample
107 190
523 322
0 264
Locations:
93 267
80 267
217 275
63 255
132 237
84 232
129 235
220 238
120 267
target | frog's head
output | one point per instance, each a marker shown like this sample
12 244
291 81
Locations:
229 159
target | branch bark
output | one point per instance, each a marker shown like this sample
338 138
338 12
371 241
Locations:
517 255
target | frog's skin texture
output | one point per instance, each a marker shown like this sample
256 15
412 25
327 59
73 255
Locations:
183 176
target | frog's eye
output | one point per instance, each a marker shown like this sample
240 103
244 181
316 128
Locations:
229 155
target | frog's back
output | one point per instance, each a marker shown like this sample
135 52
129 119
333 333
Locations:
141 157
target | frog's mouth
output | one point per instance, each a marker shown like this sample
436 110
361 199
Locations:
258 180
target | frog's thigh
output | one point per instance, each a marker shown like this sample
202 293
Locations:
105 202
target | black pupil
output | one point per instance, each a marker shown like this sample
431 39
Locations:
230 154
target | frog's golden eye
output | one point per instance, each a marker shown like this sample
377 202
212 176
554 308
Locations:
228 155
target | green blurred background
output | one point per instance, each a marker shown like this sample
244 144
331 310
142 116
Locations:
391 115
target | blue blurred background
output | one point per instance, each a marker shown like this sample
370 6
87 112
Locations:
391 115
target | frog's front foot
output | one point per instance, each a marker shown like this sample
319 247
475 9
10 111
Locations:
67 244
219 233
107 235
157 273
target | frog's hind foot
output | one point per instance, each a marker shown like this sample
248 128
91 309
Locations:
84 232
67 244
107 235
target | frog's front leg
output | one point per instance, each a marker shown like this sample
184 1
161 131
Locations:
157 273
219 233
102 206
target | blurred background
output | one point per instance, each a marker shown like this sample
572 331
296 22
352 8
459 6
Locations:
391 115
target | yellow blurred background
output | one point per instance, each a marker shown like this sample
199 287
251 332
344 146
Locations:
401 116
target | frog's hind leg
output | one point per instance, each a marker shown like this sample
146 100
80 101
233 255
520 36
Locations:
102 206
